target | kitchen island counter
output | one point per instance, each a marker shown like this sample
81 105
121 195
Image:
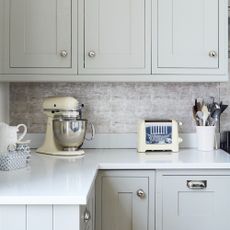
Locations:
68 180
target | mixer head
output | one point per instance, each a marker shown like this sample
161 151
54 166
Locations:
66 106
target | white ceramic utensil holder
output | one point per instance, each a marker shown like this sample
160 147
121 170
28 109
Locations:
205 137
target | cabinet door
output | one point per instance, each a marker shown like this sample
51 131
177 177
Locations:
115 36
123 201
194 202
12 217
66 217
40 34
121 207
191 36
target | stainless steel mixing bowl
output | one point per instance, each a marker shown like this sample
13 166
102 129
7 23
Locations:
69 132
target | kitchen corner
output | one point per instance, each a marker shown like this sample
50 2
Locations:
114 115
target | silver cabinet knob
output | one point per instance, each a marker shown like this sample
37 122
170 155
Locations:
140 193
91 54
212 53
87 216
64 53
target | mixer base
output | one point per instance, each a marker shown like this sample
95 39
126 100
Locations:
79 152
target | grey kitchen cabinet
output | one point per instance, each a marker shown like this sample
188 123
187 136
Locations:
193 200
37 217
114 40
114 37
49 217
190 37
88 213
125 200
40 37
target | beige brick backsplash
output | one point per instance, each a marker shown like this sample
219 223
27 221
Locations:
116 107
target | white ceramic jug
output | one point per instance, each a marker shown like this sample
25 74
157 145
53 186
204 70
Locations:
8 135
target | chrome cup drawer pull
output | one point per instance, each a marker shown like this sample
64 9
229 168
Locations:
196 184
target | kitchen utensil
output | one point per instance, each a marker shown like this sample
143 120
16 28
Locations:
199 106
195 116
155 135
9 137
223 108
199 118
216 116
66 129
206 114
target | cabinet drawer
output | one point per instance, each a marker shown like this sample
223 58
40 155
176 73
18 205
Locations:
193 202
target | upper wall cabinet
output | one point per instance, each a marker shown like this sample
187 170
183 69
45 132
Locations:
190 37
114 40
115 36
39 36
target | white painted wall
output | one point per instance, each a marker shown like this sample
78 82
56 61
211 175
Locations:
4 102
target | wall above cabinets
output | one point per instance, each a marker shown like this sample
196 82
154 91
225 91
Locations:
114 40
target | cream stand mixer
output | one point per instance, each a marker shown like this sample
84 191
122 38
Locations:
66 130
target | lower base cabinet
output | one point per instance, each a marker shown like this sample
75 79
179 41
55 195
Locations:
124 200
48 217
198 200
136 200
37 217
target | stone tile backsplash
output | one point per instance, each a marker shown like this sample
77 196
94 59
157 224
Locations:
116 107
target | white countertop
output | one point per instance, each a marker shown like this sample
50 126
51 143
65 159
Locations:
65 180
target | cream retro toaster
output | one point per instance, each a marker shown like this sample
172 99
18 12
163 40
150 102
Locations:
158 135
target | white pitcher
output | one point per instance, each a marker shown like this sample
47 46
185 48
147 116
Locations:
8 135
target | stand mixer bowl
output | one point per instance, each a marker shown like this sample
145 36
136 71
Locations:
69 132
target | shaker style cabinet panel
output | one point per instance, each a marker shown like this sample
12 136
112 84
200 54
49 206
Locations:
40 36
190 36
124 201
37 217
12 217
193 202
114 36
